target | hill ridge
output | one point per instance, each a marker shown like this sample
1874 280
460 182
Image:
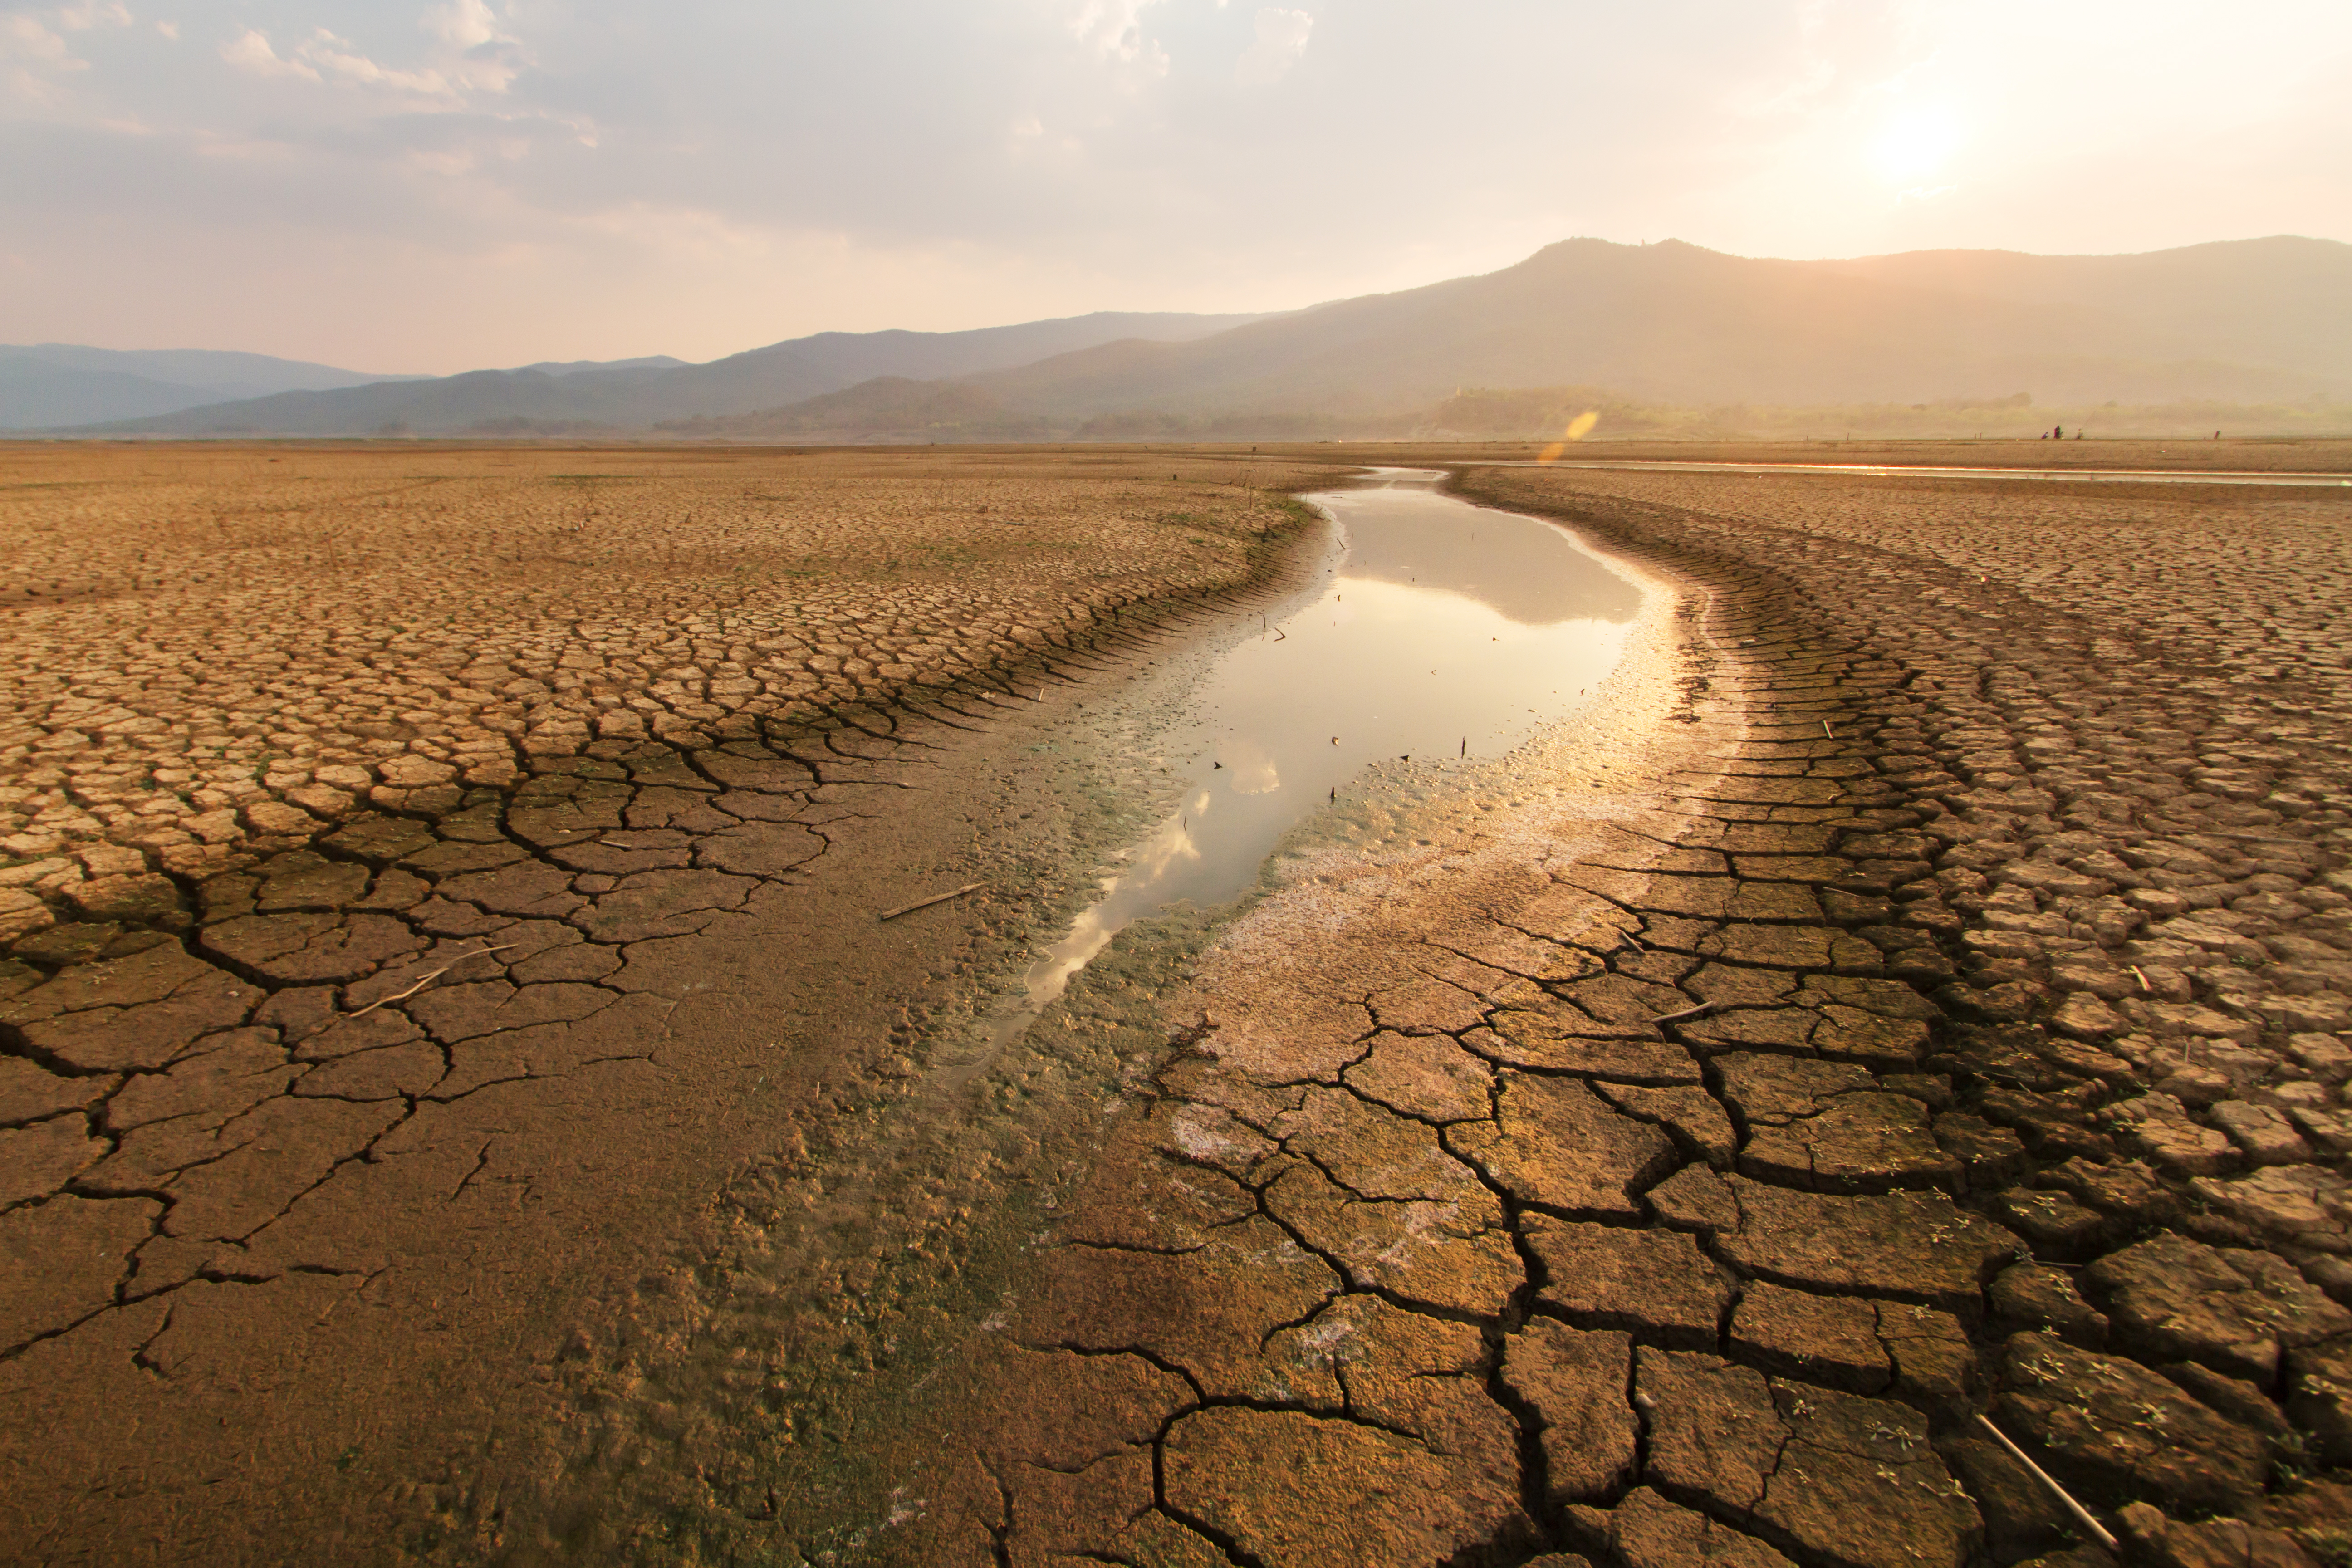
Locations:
2264 321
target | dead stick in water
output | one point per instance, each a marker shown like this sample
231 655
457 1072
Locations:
2083 1515
429 979
934 898
1686 1012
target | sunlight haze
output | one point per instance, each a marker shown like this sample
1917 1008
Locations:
434 187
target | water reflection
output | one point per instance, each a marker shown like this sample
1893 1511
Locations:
1510 564
1448 631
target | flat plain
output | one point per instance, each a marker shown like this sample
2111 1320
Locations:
212 646
1920 993
1923 996
397 841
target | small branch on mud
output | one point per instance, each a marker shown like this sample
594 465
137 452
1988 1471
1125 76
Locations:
2098 1532
429 979
934 898
1686 1012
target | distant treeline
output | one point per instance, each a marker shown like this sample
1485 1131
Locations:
919 411
897 410
1545 412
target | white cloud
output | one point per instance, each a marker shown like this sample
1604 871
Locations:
1114 30
471 56
169 29
1043 135
334 55
486 57
464 25
1110 26
27 38
1282 38
33 48
85 15
252 52
29 55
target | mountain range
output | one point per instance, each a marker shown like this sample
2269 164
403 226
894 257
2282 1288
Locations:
50 385
626 394
2255 321
2246 322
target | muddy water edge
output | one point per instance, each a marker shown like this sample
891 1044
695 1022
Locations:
766 1402
463 1265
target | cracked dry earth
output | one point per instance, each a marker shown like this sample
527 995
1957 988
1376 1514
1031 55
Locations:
1942 1012
213 651
432 874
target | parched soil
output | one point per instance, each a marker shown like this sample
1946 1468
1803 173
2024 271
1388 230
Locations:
209 653
432 874
1926 1001
1920 993
2298 455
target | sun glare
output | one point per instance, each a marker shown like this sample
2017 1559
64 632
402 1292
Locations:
1915 144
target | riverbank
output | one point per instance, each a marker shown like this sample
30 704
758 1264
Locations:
1799 1056
351 1165
1677 1182
2285 455
1266 1284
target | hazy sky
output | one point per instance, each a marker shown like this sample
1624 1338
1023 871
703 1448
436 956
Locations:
401 187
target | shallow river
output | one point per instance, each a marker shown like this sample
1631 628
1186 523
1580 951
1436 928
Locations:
1444 630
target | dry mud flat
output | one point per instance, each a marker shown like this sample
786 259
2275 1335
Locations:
1999 834
2253 456
430 877
1928 999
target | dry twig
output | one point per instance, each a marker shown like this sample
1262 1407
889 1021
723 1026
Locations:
405 995
934 898
2082 1515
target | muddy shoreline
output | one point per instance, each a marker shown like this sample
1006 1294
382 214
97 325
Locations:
1846 1071
1950 874
448 1308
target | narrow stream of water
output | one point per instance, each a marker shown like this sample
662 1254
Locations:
1445 631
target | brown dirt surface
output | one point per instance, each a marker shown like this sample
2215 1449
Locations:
440 889
206 646
1920 990
2283 454
1922 993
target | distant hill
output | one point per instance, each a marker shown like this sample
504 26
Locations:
886 408
65 384
2280 301
2253 320
1547 413
636 395
578 366
2254 323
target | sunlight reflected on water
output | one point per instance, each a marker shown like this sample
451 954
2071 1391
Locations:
1448 631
